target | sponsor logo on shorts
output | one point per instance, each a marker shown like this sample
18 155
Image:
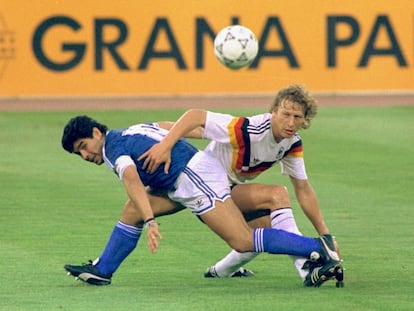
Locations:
199 203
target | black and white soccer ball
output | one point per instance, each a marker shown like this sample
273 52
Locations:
236 46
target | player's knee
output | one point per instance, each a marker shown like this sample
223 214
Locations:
278 197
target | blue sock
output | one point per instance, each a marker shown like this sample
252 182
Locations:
122 242
282 242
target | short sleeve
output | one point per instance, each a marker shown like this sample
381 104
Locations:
121 164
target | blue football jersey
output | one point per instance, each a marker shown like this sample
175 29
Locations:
123 148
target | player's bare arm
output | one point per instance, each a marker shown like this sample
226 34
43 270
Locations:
138 195
308 201
197 133
161 152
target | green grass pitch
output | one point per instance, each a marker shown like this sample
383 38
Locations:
57 209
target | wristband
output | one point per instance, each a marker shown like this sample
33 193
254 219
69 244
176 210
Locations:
150 222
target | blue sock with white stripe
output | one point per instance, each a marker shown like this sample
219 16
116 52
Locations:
282 242
122 242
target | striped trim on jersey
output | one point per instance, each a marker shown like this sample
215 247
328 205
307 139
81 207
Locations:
240 142
239 133
296 150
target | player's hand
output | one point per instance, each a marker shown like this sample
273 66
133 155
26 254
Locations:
154 157
153 236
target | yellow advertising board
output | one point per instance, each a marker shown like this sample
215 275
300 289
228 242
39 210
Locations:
163 48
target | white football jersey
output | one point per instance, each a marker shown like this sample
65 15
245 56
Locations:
246 147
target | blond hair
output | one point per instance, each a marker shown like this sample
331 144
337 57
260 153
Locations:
297 93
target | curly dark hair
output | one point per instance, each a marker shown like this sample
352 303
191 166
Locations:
297 93
79 127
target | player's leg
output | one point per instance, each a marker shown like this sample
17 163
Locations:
227 222
232 264
122 242
161 205
203 188
276 199
127 232
251 198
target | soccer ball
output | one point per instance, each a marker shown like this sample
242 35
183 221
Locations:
236 46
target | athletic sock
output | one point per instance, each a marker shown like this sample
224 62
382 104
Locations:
280 219
232 262
276 241
122 242
283 219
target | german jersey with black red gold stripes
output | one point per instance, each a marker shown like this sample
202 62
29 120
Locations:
246 146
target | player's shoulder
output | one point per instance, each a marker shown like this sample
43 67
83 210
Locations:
293 142
143 129
262 121
296 137
258 118
113 134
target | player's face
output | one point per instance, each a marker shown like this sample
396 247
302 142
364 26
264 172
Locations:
90 149
287 119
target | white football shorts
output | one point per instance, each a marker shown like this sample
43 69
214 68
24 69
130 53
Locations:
203 182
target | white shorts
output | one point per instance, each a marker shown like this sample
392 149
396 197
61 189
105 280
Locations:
202 182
